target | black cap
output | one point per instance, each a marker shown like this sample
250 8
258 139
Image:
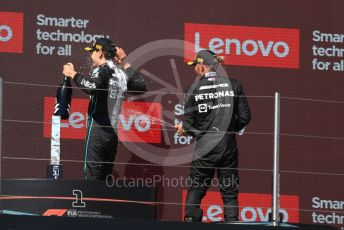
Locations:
105 45
206 57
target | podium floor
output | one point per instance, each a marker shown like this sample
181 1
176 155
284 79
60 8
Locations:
18 222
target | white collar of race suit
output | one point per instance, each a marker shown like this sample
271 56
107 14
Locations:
210 74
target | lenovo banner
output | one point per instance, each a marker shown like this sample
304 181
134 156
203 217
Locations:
138 122
11 32
252 207
246 45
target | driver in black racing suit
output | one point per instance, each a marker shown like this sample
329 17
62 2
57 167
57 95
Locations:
215 109
107 87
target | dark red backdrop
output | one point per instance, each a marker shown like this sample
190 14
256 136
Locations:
135 23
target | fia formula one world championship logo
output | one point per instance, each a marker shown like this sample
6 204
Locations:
11 32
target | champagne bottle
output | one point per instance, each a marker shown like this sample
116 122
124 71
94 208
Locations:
63 99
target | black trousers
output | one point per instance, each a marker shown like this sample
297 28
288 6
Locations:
224 157
100 149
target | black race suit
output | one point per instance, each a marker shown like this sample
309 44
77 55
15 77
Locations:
101 138
215 109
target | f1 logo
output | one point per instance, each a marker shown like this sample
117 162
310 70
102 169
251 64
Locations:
202 108
11 32
55 212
